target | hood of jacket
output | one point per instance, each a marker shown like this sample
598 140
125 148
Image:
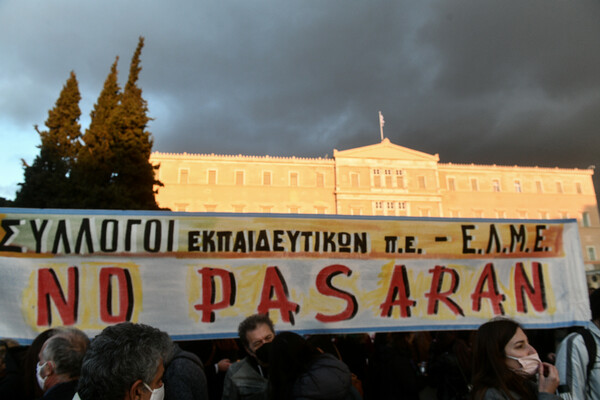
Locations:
327 378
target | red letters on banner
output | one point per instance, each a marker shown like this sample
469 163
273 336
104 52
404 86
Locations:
275 295
125 295
400 288
208 305
49 288
325 287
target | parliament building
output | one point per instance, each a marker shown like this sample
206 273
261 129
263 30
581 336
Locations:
381 179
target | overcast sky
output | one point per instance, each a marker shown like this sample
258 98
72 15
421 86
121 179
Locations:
490 82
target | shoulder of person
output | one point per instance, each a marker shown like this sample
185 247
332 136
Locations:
236 366
494 394
186 357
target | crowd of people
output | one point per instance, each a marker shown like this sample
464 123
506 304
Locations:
130 361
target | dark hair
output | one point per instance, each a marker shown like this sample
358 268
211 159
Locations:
66 349
31 389
251 323
118 357
595 304
290 355
489 362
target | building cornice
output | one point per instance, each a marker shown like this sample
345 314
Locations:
588 171
237 157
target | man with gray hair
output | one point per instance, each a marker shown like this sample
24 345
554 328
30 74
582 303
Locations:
60 363
125 362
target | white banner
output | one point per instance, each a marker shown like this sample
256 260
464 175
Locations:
197 276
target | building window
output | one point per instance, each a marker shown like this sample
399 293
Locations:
544 215
320 179
354 179
585 219
266 209
379 205
181 207
388 178
422 182
496 185
578 187
238 208
518 186
390 205
210 207
376 178
591 253
320 210
451 184
293 179
400 178
500 214
539 187
267 178
239 178
474 184
401 205
559 187
294 209
183 175
523 214
212 177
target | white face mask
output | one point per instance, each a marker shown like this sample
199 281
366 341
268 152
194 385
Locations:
529 364
158 393
38 370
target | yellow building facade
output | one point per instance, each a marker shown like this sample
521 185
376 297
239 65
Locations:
380 179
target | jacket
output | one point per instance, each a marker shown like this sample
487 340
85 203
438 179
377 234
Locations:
184 377
61 391
495 394
571 361
244 381
327 378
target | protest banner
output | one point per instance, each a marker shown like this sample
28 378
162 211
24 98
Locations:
197 275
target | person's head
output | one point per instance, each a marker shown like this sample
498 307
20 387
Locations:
3 351
595 305
289 356
31 387
499 346
61 356
255 331
125 361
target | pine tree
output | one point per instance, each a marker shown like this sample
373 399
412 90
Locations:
133 178
47 179
93 172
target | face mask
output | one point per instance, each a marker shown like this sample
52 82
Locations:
529 364
38 374
262 354
157 394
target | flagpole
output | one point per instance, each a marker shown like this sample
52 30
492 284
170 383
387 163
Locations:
381 123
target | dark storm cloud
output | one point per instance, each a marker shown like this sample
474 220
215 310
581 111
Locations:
526 73
504 82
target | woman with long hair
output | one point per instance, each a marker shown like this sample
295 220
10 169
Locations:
505 365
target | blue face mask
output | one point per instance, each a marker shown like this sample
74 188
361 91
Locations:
157 394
